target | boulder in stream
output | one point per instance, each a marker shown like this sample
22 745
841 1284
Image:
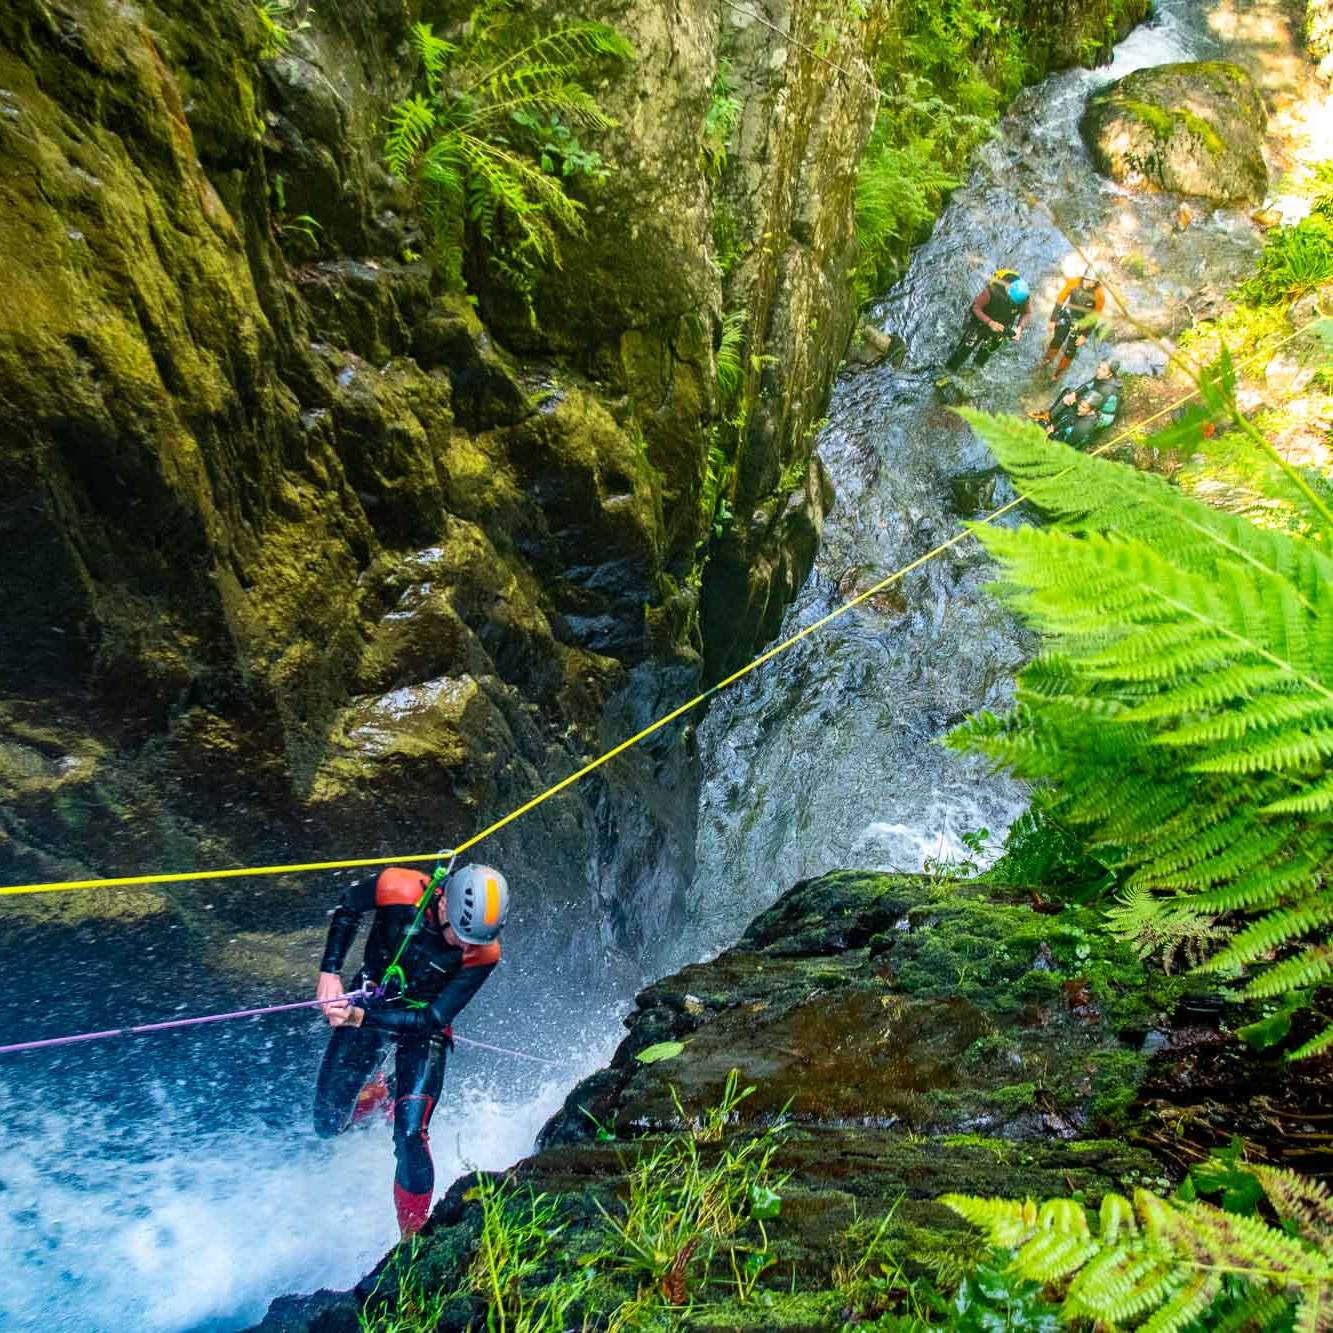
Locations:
1194 128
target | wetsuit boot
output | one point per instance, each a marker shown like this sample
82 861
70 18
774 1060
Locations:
412 1209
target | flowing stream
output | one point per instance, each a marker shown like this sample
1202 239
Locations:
173 1183
830 756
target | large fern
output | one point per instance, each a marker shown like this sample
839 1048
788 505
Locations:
1159 1265
1183 712
491 140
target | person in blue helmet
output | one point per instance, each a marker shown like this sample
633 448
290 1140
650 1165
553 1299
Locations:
1001 311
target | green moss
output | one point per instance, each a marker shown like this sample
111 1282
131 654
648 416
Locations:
1115 1084
1159 120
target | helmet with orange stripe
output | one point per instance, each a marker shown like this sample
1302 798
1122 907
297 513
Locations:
476 902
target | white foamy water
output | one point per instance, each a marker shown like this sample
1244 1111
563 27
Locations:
160 1226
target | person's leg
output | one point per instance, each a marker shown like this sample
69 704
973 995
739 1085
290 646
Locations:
968 342
349 1061
1059 336
987 346
420 1076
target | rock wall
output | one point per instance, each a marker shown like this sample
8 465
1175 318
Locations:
324 568
306 557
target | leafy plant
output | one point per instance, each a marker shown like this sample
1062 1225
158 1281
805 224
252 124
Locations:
1182 715
1299 258
679 1208
1159 1264
724 110
727 359
993 1300
1040 852
417 1304
491 140
280 20
899 189
519 1236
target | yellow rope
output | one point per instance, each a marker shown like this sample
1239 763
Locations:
128 881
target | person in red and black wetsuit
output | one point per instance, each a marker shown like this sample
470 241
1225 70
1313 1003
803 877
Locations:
433 949
1000 312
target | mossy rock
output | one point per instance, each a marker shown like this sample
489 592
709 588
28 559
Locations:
1190 128
888 1000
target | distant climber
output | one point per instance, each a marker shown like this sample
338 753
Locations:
1078 302
1001 311
430 949
1078 414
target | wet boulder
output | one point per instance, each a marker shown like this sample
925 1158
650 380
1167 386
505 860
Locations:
1191 128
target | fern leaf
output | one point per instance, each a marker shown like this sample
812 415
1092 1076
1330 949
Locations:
411 122
434 52
1314 800
1310 968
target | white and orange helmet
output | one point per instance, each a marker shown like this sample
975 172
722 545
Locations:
476 902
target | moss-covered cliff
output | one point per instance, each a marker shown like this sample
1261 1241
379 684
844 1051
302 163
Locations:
306 554
320 565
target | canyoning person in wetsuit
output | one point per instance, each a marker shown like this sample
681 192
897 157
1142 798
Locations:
1066 420
1076 304
1002 310
431 945
1076 426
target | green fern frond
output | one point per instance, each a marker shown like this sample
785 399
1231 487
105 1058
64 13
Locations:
1273 931
1314 800
411 122
490 143
1164 1270
1184 712
1310 968
434 52
1317 1045
1297 1199
728 356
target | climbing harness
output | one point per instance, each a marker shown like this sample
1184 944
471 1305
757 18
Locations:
126 881
393 974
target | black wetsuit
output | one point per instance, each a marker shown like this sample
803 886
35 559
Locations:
439 980
1071 318
1065 423
979 340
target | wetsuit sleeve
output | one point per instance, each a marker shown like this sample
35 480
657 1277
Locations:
1065 293
1099 301
358 899
446 1006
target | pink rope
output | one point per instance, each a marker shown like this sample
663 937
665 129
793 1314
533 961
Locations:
200 1019
173 1023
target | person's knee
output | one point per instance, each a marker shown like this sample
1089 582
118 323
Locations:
328 1121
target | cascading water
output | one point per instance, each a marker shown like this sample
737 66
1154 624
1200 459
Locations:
829 756
173 1183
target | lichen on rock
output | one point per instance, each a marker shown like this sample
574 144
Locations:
1194 128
